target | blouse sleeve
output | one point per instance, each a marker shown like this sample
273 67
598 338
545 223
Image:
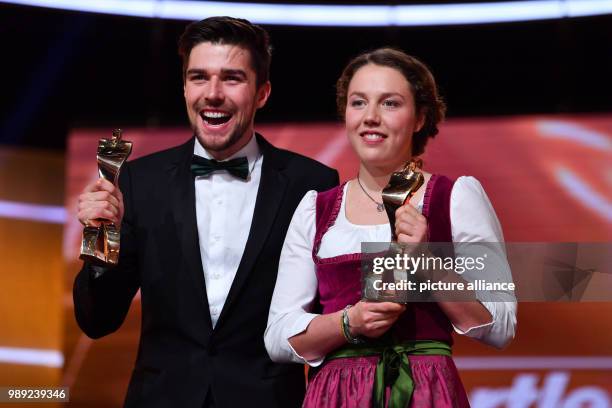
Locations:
473 220
296 286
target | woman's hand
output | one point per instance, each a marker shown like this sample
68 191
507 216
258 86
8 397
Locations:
373 319
410 225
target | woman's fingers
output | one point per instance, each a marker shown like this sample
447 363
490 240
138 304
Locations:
385 307
372 319
410 225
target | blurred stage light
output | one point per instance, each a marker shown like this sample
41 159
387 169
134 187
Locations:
584 193
338 15
32 212
30 356
566 130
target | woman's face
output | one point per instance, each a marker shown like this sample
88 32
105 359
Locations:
380 116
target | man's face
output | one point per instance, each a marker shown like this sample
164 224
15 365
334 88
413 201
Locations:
222 97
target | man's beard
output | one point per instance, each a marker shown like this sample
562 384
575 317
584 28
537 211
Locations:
233 139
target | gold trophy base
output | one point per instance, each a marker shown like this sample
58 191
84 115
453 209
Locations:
100 245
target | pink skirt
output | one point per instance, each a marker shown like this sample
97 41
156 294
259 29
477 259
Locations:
349 382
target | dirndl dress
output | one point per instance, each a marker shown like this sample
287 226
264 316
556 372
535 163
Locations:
349 382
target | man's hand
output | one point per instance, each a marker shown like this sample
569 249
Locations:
100 200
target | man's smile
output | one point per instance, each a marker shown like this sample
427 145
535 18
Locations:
215 117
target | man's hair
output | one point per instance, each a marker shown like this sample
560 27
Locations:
426 98
229 31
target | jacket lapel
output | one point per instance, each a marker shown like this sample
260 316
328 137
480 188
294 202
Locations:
183 206
272 186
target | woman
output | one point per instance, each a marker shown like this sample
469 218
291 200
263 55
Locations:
391 107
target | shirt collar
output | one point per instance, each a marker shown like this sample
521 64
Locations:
251 151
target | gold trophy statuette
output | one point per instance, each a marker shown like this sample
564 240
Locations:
401 187
100 245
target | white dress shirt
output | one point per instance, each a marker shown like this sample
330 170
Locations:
472 220
224 212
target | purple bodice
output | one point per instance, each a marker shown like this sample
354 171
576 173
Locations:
339 277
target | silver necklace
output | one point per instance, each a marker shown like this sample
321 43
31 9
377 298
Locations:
380 207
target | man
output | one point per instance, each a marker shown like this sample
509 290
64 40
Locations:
202 226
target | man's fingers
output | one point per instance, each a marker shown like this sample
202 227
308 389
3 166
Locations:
92 216
119 195
104 184
100 213
100 184
99 196
100 200
91 187
105 205
97 185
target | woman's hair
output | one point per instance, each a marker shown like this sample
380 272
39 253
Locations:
426 98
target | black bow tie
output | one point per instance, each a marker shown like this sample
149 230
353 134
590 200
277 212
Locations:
238 167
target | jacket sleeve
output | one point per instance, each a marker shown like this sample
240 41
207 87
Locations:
102 295
328 180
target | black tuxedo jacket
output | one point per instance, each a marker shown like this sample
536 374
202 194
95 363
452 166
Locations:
181 357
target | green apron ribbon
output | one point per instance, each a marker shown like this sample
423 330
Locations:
393 368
